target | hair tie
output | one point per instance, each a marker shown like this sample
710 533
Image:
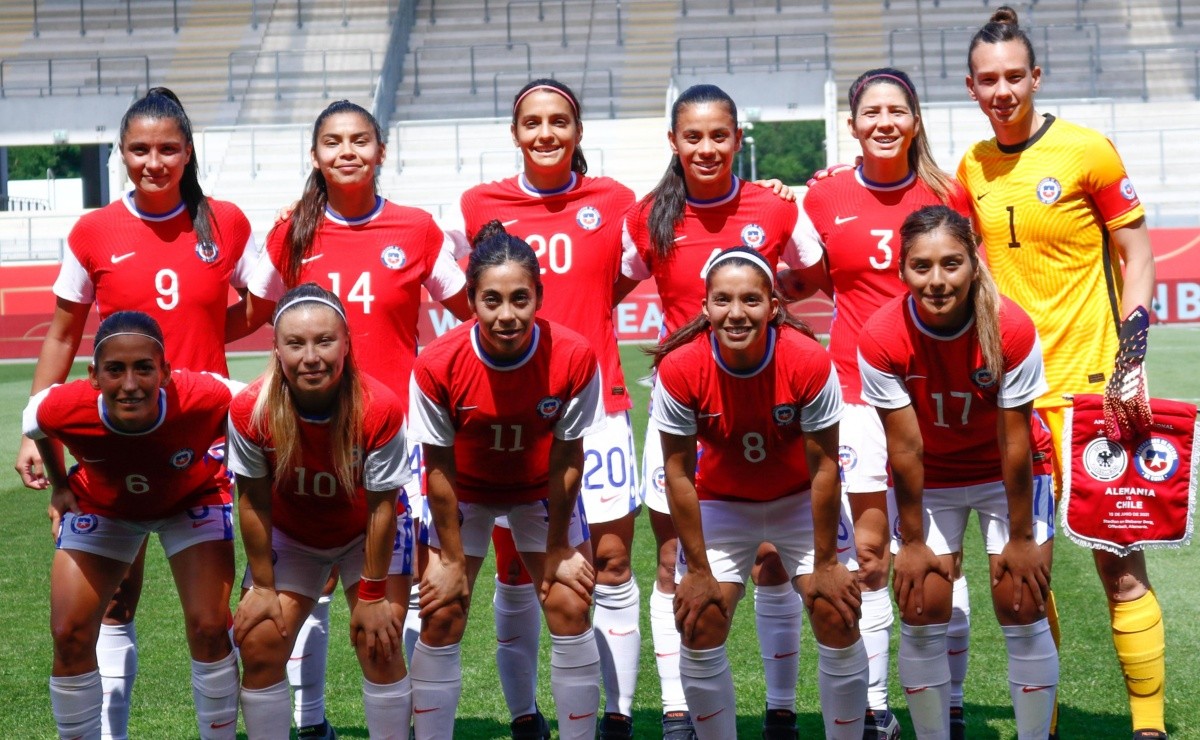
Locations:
746 254
310 299
548 88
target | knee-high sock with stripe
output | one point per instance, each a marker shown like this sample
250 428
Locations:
117 656
619 639
666 650
518 618
76 703
306 666
958 639
925 676
876 630
778 618
1032 676
708 684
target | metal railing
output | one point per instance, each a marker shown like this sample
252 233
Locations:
1179 140
278 71
1143 68
581 89
562 4
960 35
777 61
262 136
77 83
778 6
391 72
456 123
20 203
472 47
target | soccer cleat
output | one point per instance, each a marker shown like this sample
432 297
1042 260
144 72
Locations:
779 724
530 727
615 726
678 726
323 731
958 725
1149 735
881 725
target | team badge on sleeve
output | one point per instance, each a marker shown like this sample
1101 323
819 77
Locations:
182 459
393 257
1104 459
588 218
1156 460
207 252
784 414
753 235
1127 191
548 407
1049 190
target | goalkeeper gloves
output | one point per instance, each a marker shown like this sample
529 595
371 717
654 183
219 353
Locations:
1126 399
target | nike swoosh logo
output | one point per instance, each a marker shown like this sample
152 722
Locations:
313 258
417 710
839 220
88 460
196 525
707 717
915 377
666 655
302 657
843 549
837 721
509 641
122 258
707 416
1031 689
574 716
956 652
614 633
981 196
466 408
609 499
219 725
915 690
679 238
873 657
781 656
509 223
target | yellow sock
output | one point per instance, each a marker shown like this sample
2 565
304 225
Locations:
1141 646
1052 618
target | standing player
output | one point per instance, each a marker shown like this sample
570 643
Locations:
318 450
858 221
165 249
696 210
501 405
142 436
375 256
951 367
1059 218
749 383
573 222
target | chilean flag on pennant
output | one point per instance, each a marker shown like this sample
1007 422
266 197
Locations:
1131 495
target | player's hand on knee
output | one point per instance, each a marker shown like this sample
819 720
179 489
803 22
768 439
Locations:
913 564
836 584
1021 559
373 625
443 583
260 604
570 568
694 595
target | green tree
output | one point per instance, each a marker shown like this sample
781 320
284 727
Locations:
788 150
31 162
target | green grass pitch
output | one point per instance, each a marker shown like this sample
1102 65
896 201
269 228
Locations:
1092 695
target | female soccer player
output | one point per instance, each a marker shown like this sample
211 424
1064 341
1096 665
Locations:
857 219
501 405
141 435
375 256
697 209
573 222
318 450
750 384
951 366
165 249
1058 217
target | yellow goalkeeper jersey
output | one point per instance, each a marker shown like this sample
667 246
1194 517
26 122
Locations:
1045 209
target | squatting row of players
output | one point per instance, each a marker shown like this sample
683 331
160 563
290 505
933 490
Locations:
767 456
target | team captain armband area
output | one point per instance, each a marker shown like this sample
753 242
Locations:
1133 494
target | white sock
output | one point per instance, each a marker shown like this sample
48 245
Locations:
412 622
925 676
1032 676
619 640
436 675
76 702
958 640
265 712
708 682
518 617
116 654
842 680
388 707
575 684
306 667
666 650
779 617
876 630
215 692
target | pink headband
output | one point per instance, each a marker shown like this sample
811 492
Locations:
547 88
881 76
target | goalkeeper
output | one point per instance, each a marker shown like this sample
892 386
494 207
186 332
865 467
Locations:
1065 237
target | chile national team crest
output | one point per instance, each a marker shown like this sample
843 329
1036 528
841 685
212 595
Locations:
393 257
1156 460
548 407
983 378
847 458
182 458
753 236
588 218
207 252
784 414
83 523
1127 191
1049 190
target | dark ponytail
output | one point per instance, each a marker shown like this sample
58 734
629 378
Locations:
310 211
162 103
1002 26
669 196
494 246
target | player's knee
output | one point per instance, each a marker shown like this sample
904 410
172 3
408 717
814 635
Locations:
613 566
711 630
74 641
567 613
830 627
444 626
208 636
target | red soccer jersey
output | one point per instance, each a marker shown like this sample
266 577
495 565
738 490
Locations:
125 260
149 475
749 215
750 425
310 505
501 418
576 233
904 362
376 265
858 224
